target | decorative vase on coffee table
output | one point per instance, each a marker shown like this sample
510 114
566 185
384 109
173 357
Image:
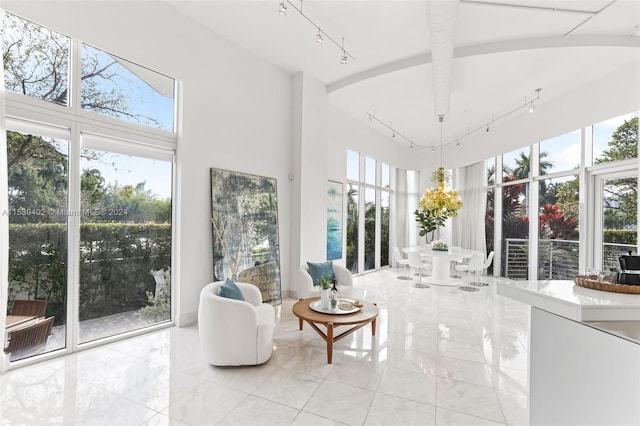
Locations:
324 298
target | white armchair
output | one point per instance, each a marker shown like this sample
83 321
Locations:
235 332
307 289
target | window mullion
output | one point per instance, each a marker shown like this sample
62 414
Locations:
73 242
75 79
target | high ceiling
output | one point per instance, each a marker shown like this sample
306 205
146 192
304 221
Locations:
502 52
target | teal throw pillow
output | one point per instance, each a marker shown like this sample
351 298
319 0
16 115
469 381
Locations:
317 270
230 290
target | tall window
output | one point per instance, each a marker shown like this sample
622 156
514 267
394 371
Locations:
515 230
353 227
369 229
558 206
117 234
125 243
384 214
489 221
558 227
516 166
368 211
38 182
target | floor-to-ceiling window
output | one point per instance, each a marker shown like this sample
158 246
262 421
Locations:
90 161
591 171
558 206
515 213
615 142
489 221
384 214
353 192
38 167
368 212
125 243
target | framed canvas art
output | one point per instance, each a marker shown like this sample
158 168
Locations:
244 219
334 220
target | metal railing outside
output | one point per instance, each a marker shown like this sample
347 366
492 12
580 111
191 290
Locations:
558 259
516 261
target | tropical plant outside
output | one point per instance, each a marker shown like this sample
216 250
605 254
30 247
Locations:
558 212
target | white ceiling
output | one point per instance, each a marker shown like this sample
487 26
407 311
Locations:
503 51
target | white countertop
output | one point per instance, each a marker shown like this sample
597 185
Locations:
564 298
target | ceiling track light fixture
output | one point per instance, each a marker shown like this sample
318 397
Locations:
394 132
322 34
457 139
526 103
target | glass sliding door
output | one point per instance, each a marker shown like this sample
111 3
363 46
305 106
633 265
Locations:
125 243
38 188
558 243
617 218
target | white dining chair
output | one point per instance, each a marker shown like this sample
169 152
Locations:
476 265
399 260
415 262
455 250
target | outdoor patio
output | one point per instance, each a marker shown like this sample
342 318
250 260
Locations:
98 328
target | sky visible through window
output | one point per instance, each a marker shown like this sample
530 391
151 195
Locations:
602 132
138 95
561 153
128 170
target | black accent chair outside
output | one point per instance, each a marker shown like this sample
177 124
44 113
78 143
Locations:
630 266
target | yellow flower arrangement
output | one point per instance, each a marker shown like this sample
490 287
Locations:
437 205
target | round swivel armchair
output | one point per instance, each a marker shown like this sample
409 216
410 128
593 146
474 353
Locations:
235 332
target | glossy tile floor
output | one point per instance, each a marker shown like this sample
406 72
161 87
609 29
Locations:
440 356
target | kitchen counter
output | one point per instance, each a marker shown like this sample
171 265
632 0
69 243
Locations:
565 298
583 353
629 330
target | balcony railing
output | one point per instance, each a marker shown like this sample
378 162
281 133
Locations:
558 259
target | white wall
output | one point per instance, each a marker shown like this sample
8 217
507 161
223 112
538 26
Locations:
348 133
309 164
236 113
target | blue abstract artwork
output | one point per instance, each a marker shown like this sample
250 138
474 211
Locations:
334 220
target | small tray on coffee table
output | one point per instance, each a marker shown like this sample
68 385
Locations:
345 306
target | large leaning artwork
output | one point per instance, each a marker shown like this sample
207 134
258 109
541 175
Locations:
334 220
244 218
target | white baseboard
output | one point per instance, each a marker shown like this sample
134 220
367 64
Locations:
184 320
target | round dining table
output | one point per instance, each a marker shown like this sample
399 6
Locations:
441 261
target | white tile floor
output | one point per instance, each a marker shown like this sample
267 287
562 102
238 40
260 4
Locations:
440 356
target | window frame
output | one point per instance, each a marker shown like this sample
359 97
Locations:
26 113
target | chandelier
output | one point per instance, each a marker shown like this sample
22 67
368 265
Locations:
438 201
